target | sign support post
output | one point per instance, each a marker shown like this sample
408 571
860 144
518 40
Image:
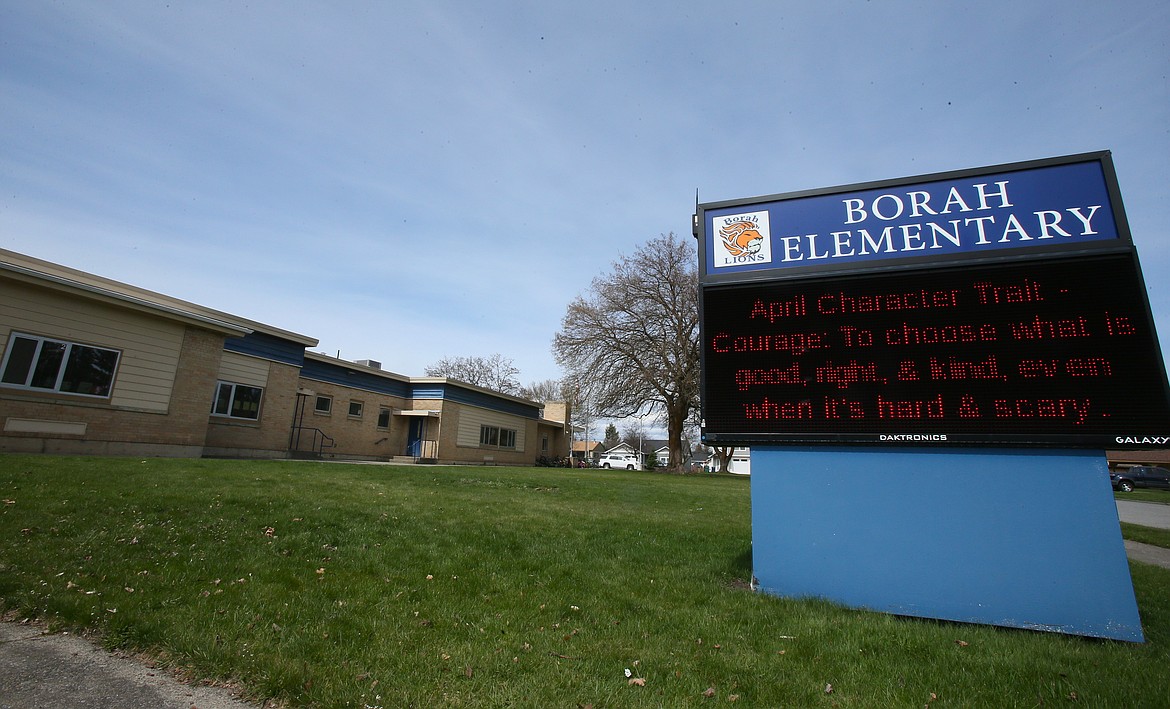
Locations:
1001 537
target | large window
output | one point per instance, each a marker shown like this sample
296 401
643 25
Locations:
496 437
55 365
237 401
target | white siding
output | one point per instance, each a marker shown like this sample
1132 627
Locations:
242 369
471 418
150 347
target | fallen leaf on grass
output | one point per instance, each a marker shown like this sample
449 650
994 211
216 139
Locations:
636 682
709 692
828 689
962 643
468 672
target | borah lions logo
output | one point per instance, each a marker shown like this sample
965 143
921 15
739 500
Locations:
744 238
741 238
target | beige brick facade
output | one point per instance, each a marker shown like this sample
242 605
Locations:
45 422
357 436
172 356
267 437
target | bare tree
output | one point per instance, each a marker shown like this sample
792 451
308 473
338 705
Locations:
545 391
633 340
496 372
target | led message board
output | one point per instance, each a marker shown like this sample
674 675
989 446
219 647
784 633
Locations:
1051 347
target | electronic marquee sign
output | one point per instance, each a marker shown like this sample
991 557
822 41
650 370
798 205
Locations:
999 307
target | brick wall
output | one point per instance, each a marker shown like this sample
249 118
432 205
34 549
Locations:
268 437
180 430
356 436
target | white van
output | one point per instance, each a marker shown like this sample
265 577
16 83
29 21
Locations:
628 461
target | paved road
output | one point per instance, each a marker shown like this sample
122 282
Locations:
1147 514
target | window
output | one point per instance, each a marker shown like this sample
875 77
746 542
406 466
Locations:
237 401
496 437
54 365
383 417
324 405
355 409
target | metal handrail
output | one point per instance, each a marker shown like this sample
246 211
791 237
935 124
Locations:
320 440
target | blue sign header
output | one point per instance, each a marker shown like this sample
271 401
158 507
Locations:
1058 204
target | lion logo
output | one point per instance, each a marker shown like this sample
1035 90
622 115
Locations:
741 238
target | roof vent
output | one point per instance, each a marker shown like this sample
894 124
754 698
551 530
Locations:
370 363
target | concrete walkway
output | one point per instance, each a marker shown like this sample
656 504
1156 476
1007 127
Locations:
1147 554
1147 514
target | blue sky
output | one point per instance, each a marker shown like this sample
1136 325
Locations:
408 181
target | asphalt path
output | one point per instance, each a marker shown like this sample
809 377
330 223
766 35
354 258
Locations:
63 671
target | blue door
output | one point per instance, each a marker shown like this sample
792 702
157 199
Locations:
418 429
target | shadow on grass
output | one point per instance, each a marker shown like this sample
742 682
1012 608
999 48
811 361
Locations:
740 567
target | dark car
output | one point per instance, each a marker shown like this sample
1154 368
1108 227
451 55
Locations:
1140 476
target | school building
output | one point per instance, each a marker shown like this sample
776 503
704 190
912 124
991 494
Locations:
92 366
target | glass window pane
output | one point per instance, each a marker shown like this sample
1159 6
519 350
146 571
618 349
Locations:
246 402
20 358
355 408
324 404
223 399
48 365
89 371
384 418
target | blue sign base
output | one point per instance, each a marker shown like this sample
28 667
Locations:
1003 537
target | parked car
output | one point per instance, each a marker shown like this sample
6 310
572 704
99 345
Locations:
619 460
1140 476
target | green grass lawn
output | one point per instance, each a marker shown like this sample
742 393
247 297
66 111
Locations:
1146 535
1145 495
373 586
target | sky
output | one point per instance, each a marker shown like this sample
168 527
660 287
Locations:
408 181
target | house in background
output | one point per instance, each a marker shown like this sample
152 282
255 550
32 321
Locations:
741 461
658 451
94 366
588 451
